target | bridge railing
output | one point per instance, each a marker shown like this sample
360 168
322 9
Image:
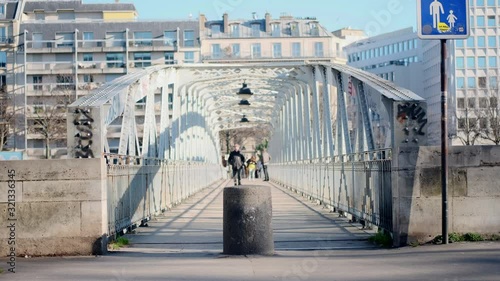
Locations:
358 184
140 188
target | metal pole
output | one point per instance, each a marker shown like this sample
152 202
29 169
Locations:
444 143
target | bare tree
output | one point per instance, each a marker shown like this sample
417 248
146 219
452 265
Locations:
6 119
489 120
467 116
48 115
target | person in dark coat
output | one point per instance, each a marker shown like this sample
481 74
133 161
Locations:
237 160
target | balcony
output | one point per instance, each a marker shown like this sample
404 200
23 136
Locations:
264 56
6 40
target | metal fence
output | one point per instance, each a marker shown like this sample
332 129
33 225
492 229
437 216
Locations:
139 188
358 184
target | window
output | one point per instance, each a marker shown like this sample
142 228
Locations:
481 81
188 57
314 28
483 123
216 51
318 49
479 3
235 50
471 82
188 38
491 21
169 58
460 83
256 51
3 35
470 42
88 57
460 62
481 41
88 37
461 123
296 52
39 15
88 78
142 59
493 102
115 39
37 80
493 82
492 41
115 60
65 82
275 30
276 50
65 39
480 21
491 3
235 30
471 62
492 62
3 59
170 38
65 15
483 102
471 102
460 103
481 62
216 29
294 29
143 38
459 43
255 29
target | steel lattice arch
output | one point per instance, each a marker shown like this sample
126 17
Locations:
309 111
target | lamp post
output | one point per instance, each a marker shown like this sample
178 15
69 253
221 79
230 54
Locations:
245 93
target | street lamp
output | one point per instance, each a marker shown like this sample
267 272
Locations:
244 119
245 93
244 103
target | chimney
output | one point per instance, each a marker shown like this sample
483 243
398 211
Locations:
225 19
202 21
268 22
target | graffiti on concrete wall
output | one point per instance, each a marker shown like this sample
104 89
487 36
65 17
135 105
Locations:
83 122
413 116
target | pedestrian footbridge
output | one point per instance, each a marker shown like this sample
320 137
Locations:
333 132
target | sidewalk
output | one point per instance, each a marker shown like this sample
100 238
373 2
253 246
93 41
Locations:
310 244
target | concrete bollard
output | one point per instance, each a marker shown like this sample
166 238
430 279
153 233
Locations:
247 220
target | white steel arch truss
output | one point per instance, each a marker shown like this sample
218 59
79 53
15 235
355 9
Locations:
170 112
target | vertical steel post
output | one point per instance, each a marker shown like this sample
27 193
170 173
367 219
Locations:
444 143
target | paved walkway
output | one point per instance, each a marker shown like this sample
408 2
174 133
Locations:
310 243
298 225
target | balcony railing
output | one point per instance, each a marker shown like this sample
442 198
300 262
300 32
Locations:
265 56
166 43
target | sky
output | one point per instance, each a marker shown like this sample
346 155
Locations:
373 16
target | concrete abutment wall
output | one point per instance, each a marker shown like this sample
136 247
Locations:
473 190
54 207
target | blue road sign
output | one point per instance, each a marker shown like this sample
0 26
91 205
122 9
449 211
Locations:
443 19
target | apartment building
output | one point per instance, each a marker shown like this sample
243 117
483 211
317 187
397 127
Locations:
286 38
72 48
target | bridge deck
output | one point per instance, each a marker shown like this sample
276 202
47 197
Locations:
196 225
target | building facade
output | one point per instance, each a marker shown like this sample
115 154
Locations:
475 76
72 48
286 38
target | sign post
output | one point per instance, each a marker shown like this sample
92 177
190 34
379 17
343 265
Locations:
442 20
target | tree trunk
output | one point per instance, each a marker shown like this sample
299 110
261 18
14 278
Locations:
47 148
